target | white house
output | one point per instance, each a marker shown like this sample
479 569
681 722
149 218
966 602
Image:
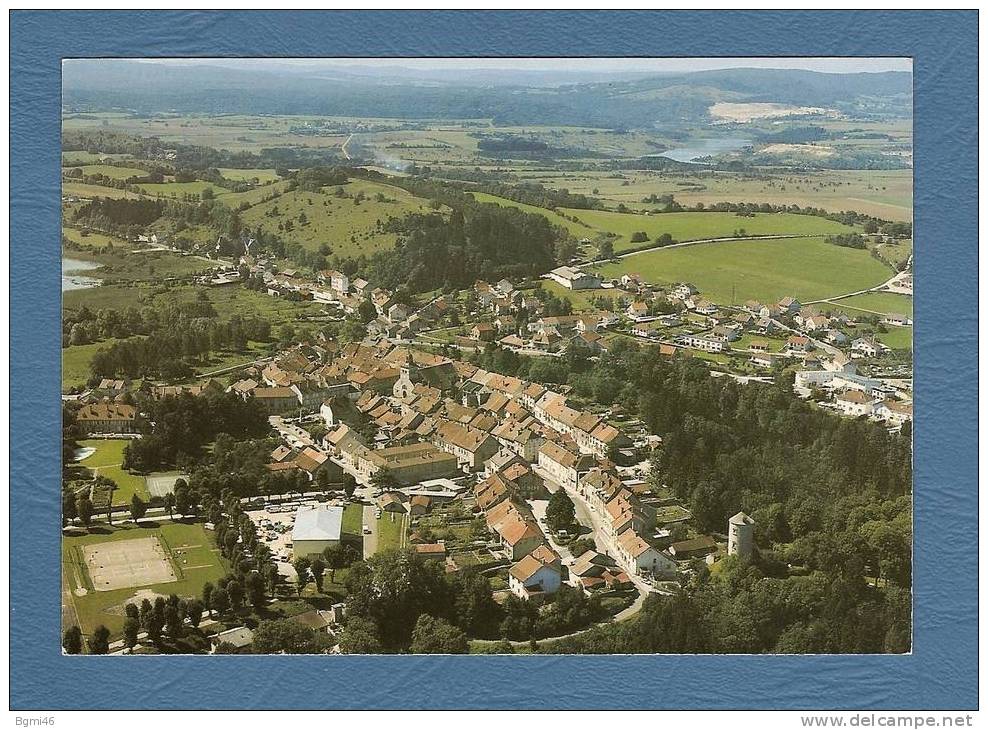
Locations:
640 557
536 575
854 403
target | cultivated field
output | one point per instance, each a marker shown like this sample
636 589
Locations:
766 270
112 171
81 190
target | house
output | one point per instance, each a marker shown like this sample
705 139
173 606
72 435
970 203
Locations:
893 412
316 528
573 278
762 360
698 547
430 550
789 305
562 465
275 400
867 347
798 343
637 310
536 575
642 558
239 638
854 403
471 446
684 291
702 342
419 505
483 332
318 620
391 502
107 418
398 312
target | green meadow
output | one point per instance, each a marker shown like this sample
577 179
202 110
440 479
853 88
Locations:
697 226
106 462
766 269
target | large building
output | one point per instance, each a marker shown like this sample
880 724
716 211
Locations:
107 418
411 463
573 278
316 528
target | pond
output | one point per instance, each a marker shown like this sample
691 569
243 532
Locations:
698 148
71 274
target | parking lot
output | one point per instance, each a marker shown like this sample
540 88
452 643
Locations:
274 527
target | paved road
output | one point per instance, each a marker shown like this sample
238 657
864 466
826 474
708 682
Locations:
370 541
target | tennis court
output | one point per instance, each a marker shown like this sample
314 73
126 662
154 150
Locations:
128 563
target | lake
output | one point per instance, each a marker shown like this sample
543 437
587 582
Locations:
698 148
71 278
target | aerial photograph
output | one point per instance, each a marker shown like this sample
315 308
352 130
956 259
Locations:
486 356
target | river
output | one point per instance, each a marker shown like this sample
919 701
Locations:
71 274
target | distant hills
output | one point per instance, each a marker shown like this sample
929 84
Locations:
507 96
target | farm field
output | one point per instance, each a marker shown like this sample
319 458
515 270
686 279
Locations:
693 226
179 189
882 302
261 175
77 158
191 554
81 190
766 270
91 239
347 226
253 196
106 462
881 193
112 171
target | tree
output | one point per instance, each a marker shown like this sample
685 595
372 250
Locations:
317 568
254 586
84 508
349 485
72 640
220 601
69 509
605 248
207 596
302 566
322 480
99 642
169 502
138 508
131 628
560 512
435 636
338 556
359 636
193 610
284 636
384 479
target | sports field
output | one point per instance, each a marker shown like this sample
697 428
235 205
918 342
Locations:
106 461
161 483
127 564
186 548
766 269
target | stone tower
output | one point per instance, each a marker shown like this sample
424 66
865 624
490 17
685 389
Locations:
740 535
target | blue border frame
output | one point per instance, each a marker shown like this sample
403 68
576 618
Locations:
941 673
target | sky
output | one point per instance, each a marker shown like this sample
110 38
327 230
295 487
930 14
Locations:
593 65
